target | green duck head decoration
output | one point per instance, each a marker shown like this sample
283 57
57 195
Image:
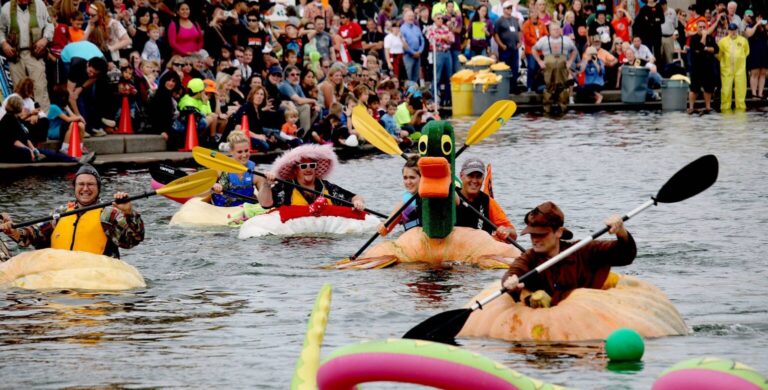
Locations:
436 188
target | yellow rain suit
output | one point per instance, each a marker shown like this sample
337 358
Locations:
733 68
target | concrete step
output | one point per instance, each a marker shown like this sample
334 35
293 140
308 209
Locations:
119 143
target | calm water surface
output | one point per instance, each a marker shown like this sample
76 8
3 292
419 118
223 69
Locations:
220 312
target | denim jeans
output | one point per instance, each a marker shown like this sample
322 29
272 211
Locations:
444 64
454 62
412 66
653 78
532 68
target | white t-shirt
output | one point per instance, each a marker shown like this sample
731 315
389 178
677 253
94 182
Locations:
394 44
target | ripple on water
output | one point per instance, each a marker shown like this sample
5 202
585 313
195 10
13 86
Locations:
220 312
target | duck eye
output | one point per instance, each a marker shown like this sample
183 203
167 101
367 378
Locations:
446 144
423 144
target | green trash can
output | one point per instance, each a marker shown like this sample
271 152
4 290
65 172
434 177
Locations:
634 84
674 95
482 99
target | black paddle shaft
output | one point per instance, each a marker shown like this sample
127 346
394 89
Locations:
303 189
84 209
386 226
465 202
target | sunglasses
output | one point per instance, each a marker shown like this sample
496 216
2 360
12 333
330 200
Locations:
311 165
178 64
294 74
253 20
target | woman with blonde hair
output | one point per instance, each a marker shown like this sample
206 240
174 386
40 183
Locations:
108 34
246 184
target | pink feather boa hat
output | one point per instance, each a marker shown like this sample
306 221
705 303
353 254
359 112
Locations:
323 155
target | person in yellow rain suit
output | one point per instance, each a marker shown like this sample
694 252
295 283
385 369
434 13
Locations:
734 50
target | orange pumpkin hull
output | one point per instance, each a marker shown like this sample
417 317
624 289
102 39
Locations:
587 314
467 245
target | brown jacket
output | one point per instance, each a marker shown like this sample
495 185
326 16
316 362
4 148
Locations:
588 267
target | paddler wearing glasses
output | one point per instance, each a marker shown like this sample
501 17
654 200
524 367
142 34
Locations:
588 267
99 231
306 166
241 183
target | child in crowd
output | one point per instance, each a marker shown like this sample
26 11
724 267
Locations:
126 87
388 119
59 118
151 51
76 31
373 107
290 132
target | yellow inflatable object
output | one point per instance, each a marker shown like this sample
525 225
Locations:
305 376
481 60
462 59
486 78
198 212
500 66
587 314
51 269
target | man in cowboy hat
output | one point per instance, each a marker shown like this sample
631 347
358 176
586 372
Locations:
100 231
588 267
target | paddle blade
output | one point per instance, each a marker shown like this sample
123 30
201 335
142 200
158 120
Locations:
165 174
491 120
689 181
191 185
218 161
374 132
441 328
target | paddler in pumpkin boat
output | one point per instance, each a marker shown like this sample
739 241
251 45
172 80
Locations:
437 240
578 298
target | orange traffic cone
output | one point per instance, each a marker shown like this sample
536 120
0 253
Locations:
191 134
74 141
246 130
126 125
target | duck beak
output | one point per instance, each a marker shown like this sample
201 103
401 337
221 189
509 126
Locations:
435 177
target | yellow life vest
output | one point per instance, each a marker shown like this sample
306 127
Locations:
297 199
80 232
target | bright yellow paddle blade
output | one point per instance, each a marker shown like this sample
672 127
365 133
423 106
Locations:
191 185
491 120
217 161
373 132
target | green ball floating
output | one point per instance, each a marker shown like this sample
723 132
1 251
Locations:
624 345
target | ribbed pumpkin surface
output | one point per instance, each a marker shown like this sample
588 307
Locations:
587 314
463 244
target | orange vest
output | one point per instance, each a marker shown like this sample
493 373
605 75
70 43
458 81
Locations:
80 232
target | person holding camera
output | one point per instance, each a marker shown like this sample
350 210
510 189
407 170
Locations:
703 58
594 75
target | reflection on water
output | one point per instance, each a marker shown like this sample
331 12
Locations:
220 312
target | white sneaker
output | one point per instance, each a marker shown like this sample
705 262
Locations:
108 122
570 99
86 135
99 132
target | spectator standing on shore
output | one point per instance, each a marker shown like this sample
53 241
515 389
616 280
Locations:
734 50
602 29
414 45
647 26
441 38
703 59
480 31
555 54
507 36
621 24
594 74
757 61
668 28
24 35
533 30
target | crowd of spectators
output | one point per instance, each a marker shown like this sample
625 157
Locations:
292 74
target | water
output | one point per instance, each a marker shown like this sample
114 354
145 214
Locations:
219 312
